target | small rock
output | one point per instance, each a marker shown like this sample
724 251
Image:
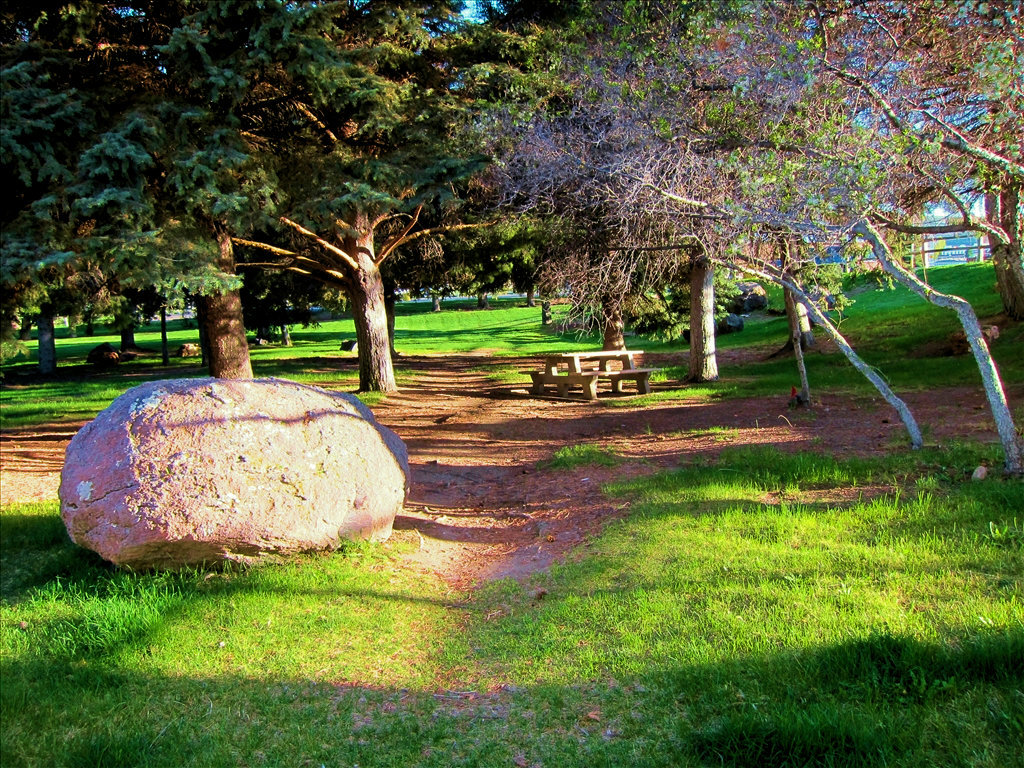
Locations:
980 473
103 356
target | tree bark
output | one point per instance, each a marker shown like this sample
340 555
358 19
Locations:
799 322
366 293
435 300
1013 452
286 336
389 312
531 296
1006 210
165 352
482 302
798 352
25 332
127 335
47 352
612 325
222 319
703 362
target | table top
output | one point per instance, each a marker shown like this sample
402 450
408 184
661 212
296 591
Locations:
596 354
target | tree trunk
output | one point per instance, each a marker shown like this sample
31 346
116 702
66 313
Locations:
1013 452
47 352
222 319
482 302
389 312
703 362
804 397
286 336
435 302
799 322
25 333
127 335
1007 212
819 317
612 325
165 352
531 296
366 293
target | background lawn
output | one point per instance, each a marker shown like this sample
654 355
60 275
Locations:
904 337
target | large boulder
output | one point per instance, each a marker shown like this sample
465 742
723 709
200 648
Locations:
192 471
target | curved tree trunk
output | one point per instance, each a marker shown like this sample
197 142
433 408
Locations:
47 352
819 317
612 325
227 348
1007 212
703 362
1014 455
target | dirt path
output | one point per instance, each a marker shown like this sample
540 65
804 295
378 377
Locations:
483 503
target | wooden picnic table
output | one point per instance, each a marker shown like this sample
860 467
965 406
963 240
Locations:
569 370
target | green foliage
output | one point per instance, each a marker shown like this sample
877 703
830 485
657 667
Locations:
666 314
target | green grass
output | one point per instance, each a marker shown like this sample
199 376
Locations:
762 609
893 330
582 455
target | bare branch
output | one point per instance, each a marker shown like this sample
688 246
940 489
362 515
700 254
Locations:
398 239
330 248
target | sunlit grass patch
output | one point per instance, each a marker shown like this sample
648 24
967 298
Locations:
584 454
878 624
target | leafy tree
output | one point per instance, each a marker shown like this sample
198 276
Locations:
136 185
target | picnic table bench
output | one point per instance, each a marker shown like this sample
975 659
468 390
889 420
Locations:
585 369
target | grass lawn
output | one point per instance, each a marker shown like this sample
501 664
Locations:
890 328
760 609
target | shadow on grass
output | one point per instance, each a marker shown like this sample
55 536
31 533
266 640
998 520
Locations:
78 691
840 705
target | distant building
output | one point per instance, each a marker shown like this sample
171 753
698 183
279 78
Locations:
953 248
957 248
